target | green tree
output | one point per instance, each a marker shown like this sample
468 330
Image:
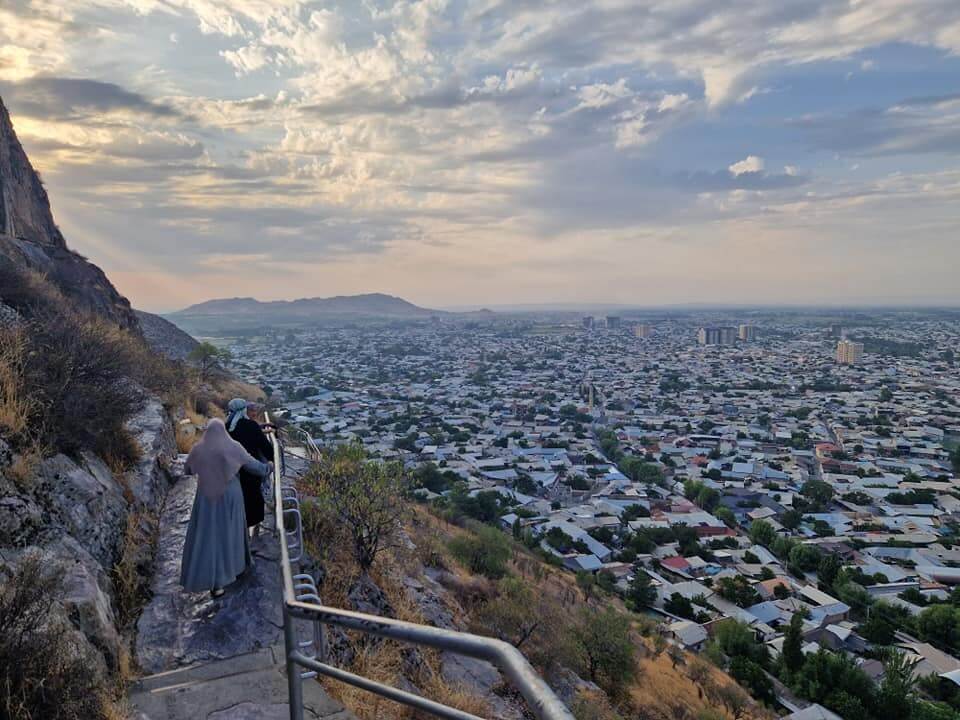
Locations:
363 498
792 655
895 694
939 624
515 614
484 551
804 558
726 516
641 590
206 356
605 646
762 532
827 570
678 605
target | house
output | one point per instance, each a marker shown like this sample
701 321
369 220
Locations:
689 635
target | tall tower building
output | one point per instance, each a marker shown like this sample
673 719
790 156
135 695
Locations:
748 333
717 336
643 331
613 321
849 352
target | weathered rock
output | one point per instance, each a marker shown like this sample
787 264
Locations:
568 685
366 596
6 454
84 599
21 518
152 429
87 501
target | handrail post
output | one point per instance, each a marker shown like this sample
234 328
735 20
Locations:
294 681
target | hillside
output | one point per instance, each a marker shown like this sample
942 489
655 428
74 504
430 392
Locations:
30 239
165 337
227 313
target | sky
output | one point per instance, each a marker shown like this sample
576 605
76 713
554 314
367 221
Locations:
494 152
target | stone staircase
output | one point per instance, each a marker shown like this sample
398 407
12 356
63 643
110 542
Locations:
252 686
217 659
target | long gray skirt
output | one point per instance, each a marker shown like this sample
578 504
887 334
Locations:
216 549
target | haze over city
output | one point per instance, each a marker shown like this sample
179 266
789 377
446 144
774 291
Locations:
497 153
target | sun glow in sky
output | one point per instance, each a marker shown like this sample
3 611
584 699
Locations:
492 152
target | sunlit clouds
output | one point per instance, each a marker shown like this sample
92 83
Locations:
494 152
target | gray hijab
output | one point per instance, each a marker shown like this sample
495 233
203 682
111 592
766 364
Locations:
215 460
238 409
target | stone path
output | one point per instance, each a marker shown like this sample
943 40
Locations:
220 659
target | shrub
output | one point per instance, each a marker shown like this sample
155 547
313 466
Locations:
364 498
604 644
43 671
485 551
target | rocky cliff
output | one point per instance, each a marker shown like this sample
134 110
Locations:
30 238
165 337
87 521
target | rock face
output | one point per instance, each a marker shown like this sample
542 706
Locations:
73 513
165 337
30 238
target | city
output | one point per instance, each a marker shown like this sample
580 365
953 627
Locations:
759 472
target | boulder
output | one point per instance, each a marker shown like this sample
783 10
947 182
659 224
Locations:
86 501
366 596
84 599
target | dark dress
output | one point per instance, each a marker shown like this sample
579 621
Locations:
254 441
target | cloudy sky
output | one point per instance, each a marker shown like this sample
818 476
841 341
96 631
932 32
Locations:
488 152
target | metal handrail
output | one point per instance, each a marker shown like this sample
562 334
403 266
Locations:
542 701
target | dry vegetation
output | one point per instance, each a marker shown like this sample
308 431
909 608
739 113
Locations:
44 671
382 660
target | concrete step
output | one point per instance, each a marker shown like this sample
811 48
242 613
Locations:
247 687
249 662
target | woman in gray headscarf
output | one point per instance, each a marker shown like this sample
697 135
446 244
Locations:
216 551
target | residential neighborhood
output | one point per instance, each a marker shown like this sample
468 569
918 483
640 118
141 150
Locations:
760 481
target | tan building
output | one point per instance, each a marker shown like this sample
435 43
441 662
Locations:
747 333
849 352
643 331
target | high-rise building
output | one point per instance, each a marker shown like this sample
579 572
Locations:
643 331
748 333
613 321
588 322
836 331
717 336
849 352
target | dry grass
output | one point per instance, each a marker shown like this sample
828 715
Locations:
383 660
23 469
131 573
186 437
16 406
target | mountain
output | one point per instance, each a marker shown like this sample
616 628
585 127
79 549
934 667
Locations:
233 311
29 237
165 337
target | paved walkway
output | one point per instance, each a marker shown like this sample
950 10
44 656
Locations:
222 659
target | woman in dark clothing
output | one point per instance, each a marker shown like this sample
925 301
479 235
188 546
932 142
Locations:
248 433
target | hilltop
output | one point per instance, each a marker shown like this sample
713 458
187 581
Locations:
225 314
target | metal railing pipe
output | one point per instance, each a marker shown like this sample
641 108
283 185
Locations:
541 700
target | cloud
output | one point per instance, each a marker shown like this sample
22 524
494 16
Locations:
750 164
434 138
919 125
60 97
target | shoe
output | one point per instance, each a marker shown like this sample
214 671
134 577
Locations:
217 592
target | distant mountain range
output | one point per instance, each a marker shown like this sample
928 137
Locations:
369 305
225 314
